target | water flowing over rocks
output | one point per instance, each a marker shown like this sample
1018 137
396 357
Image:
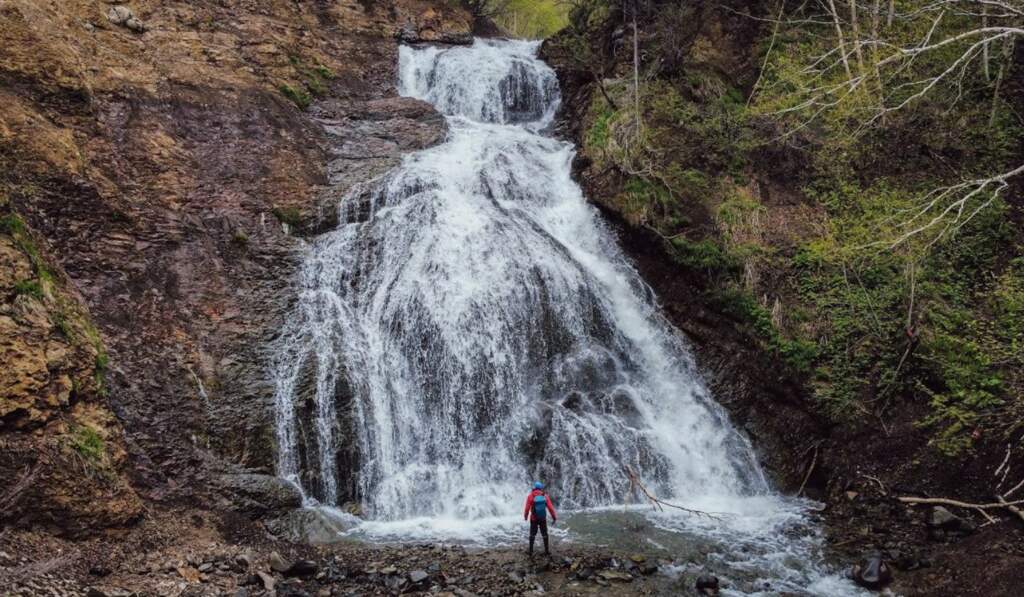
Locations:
472 305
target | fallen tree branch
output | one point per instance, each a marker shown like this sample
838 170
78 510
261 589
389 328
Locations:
879 481
29 571
634 482
10 497
948 502
1014 489
810 470
1011 507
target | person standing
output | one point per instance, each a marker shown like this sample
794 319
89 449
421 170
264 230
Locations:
538 504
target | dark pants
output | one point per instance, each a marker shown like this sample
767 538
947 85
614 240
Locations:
541 524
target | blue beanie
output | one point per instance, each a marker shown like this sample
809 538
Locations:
538 485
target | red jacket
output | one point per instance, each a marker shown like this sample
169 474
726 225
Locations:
528 511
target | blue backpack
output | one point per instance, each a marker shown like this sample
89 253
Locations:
540 507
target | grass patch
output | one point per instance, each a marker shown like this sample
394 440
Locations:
299 97
89 444
30 288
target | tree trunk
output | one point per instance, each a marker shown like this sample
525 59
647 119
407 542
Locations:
842 40
855 24
636 70
984 50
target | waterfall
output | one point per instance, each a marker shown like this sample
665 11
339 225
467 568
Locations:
472 326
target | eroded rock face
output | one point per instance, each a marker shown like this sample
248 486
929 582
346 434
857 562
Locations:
259 494
62 456
172 174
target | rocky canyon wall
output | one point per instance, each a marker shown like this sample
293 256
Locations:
160 162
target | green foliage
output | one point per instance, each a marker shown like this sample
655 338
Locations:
240 238
299 97
89 444
705 254
596 137
533 19
797 353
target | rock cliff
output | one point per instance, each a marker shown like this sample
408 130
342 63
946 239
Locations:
160 163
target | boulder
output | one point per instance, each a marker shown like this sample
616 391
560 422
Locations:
942 518
243 562
873 573
942 523
278 563
707 585
419 580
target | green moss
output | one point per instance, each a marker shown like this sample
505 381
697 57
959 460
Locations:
29 288
61 322
288 215
299 97
12 224
240 238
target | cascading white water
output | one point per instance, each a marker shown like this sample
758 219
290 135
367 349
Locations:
472 326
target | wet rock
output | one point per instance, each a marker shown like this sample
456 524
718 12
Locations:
302 569
419 579
707 585
873 573
243 562
278 563
615 575
648 569
266 580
